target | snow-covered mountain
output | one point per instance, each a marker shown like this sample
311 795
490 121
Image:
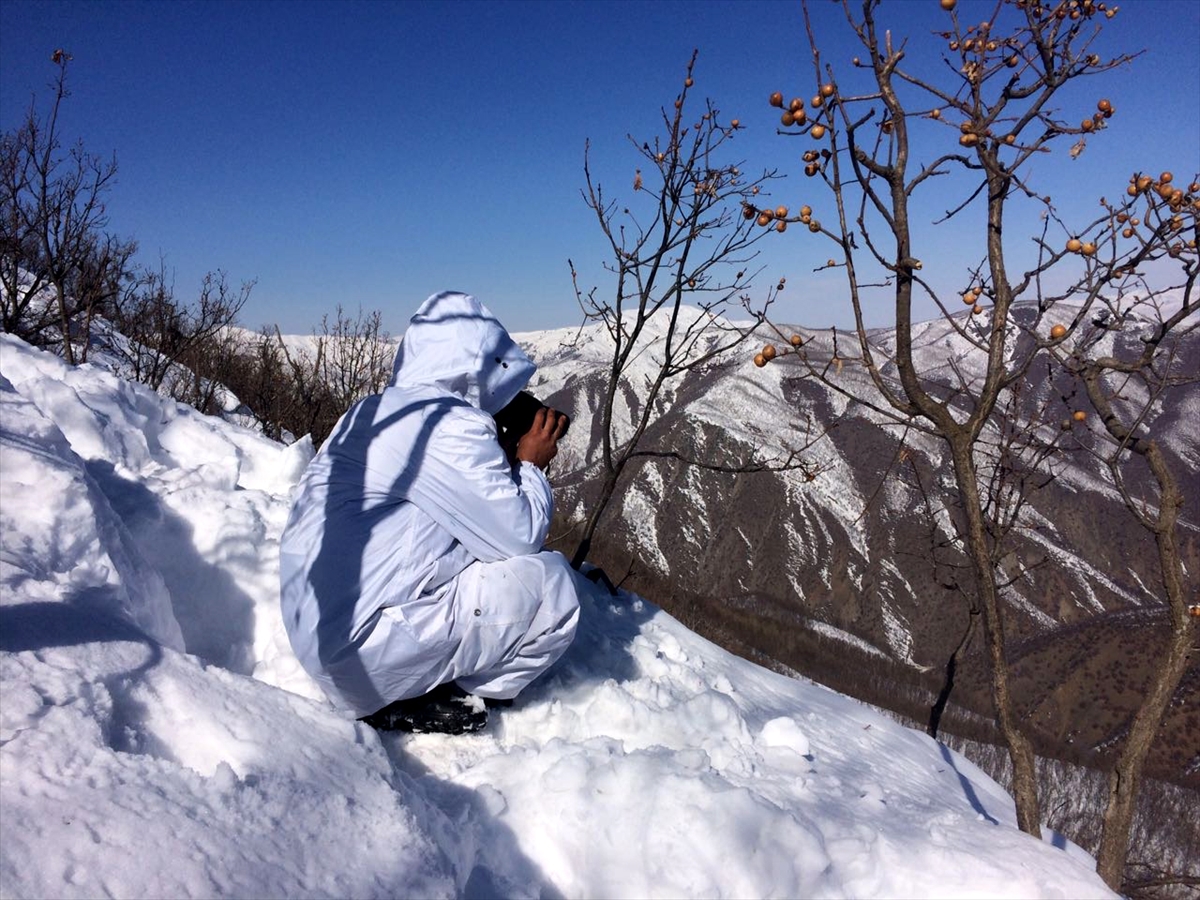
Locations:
157 738
842 564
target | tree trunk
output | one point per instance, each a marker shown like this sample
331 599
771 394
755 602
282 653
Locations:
1125 778
64 322
606 493
943 697
1020 751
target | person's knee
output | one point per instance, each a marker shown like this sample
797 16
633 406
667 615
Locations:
561 591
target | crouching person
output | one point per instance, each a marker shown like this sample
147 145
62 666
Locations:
414 585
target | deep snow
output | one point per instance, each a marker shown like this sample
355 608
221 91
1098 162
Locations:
157 737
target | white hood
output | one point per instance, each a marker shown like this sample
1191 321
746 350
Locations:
455 343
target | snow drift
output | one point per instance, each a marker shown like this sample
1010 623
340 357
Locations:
157 738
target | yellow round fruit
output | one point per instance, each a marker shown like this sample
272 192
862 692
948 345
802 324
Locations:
1104 106
781 227
1058 331
806 210
948 5
781 212
1088 248
776 99
764 218
1074 245
1079 415
797 340
818 131
759 360
768 352
787 119
827 90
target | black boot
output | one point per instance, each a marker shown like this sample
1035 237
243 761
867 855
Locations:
447 709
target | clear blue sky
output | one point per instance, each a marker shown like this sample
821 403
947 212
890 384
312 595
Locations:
372 153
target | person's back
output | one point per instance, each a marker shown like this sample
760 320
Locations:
409 558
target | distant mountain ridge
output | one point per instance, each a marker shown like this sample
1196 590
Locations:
847 556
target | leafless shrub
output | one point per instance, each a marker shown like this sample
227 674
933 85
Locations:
179 348
293 388
58 267
680 255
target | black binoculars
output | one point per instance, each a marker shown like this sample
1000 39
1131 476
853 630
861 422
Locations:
514 421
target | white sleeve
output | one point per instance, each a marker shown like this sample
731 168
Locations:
466 485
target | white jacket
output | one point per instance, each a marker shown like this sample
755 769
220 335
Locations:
410 488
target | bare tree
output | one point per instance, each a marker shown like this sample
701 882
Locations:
298 387
680 256
173 345
1133 356
356 357
256 373
57 265
983 122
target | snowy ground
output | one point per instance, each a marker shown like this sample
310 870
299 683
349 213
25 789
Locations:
158 739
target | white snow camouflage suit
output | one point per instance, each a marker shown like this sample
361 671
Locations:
413 552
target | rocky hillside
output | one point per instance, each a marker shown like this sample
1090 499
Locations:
853 576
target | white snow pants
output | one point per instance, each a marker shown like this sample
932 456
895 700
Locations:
511 620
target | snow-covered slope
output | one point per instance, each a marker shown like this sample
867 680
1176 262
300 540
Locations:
158 739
